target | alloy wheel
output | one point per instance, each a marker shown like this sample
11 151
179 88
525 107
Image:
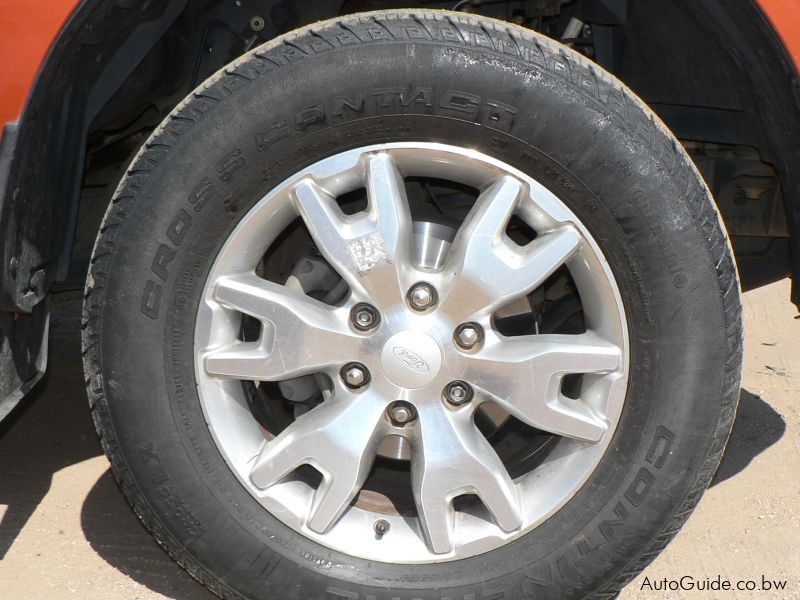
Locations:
405 351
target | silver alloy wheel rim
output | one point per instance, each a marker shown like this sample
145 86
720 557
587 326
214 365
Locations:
411 355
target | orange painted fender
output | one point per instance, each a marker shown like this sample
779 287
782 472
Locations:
28 28
785 18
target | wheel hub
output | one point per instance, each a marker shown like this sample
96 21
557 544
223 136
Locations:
411 359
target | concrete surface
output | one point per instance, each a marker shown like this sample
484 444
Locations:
66 531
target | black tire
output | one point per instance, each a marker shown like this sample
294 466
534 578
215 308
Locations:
509 93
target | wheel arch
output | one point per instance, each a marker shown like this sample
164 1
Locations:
724 77
743 94
98 48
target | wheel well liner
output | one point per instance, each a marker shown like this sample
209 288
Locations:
96 51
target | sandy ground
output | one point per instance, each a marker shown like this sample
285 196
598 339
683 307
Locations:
66 531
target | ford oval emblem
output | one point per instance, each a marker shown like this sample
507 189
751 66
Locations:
410 359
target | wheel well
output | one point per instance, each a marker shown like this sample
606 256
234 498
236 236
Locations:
713 70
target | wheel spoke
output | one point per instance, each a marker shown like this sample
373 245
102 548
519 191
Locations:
371 251
339 438
452 459
320 339
490 270
524 376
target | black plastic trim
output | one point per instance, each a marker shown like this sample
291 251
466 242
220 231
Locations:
97 50
23 354
8 141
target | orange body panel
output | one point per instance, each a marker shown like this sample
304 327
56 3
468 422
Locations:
29 27
785 18
27 30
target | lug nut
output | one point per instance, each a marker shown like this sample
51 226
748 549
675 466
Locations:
365 317
402 413
468 336
422 296
355 376
458 393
